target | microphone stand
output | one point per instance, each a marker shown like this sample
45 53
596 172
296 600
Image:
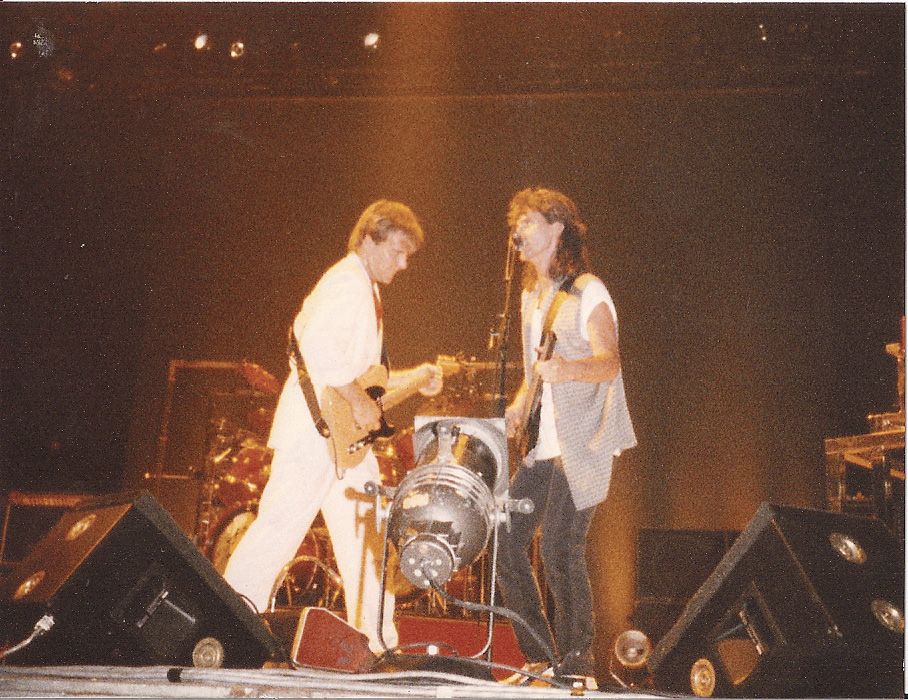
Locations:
503 332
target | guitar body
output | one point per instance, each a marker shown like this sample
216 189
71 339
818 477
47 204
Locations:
348 444
528 430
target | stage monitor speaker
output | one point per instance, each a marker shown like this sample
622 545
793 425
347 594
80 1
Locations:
673 564
126 586
806 603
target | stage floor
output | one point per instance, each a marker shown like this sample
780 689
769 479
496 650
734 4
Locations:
171 682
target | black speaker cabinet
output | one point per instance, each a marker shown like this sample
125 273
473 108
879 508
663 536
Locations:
806 603
125 586
28 518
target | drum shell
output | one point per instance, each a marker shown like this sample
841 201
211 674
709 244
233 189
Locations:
248 473
395 457
232 524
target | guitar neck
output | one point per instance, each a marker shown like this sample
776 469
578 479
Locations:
394 396
533 395
534 391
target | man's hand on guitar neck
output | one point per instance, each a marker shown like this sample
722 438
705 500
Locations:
553 370
367 413
427 376
435 379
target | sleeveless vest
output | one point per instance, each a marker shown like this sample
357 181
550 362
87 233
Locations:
592 420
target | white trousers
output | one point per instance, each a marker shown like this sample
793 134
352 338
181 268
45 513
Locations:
298 487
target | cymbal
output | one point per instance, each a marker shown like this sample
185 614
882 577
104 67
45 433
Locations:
259 378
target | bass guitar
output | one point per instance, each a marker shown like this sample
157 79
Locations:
528 428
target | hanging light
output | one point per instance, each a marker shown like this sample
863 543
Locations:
371 41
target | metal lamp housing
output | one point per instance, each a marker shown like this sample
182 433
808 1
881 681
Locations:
445 509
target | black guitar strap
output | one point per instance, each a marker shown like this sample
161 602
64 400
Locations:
560 296
305 381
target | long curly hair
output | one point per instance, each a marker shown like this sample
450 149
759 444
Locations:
571 257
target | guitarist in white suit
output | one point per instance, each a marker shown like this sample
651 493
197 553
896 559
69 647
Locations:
338 336
582 423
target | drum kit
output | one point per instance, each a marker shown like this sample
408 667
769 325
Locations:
237 468
310 578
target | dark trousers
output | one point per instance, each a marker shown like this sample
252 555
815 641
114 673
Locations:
563 548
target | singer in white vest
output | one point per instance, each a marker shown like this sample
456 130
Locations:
573 427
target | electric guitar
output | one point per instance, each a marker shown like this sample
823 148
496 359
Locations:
528 428
348 442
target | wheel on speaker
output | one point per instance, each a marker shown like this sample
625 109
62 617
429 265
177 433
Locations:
703 678
208 653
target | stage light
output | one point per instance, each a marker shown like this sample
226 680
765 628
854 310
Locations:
632 651
201 42
450 505
446 508
15 50
237 49
371 41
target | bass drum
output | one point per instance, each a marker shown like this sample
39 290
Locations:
232 525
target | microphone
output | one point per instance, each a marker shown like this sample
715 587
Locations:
516 241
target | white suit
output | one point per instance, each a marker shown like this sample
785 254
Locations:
340 337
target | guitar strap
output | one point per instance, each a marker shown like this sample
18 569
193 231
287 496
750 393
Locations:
305 381
560 296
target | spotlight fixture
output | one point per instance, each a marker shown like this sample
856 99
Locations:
448 507
15 50
632 650
237 49
445 509
201 42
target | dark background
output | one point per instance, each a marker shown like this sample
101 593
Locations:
741 168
